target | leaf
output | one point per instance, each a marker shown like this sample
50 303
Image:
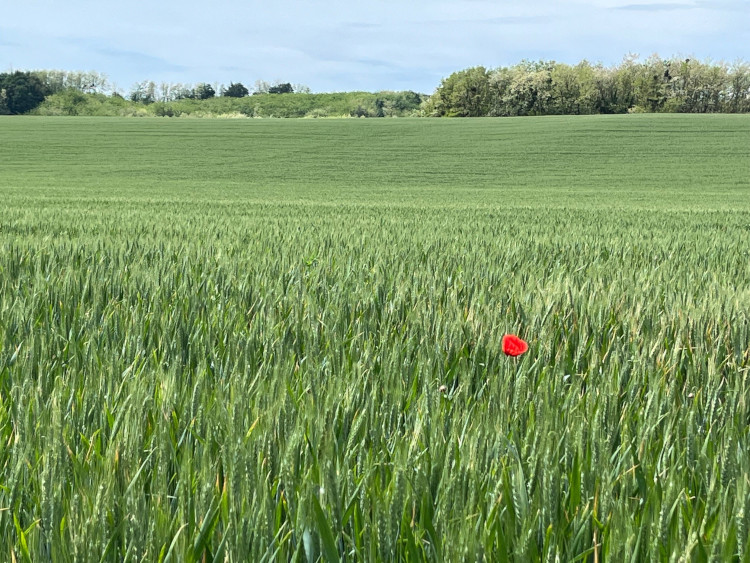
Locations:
520 496
168 556
326 534
309 544
407 533
574 502
218 556
138 473
200 546
21 539
14 357
425 517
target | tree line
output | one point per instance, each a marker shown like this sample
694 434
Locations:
346 104
676 85
22 91
148 92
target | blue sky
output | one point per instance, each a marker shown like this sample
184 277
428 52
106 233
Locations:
344 45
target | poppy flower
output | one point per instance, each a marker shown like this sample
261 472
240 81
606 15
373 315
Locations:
514 346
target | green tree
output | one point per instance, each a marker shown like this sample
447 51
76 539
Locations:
204 91
465 93
572 89
501 104
525 89
711 88
235 90
144 92
58 80
4 102
20 92
738 96
651 84
285 88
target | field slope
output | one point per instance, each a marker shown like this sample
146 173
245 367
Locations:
258 340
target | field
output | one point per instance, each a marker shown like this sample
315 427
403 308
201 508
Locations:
257 340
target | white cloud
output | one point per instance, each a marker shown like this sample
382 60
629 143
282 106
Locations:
348 45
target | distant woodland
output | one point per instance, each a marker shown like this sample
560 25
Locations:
657 85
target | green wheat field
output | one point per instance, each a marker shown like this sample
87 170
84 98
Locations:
270 340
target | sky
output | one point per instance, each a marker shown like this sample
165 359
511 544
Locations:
347 45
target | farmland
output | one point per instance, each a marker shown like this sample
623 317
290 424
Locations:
246 340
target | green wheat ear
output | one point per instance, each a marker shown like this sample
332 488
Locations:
227 340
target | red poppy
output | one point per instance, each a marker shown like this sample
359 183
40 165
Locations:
514 346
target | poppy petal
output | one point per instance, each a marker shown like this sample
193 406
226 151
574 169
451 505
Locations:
513 345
